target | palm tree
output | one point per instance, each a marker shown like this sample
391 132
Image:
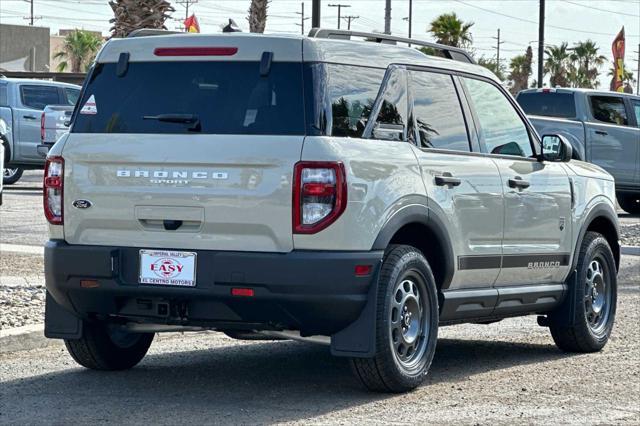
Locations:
449 30
587 61
79 49
130 15
492 65
521 71
258 15
557 64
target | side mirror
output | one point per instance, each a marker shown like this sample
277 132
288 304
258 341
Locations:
556 148
389 132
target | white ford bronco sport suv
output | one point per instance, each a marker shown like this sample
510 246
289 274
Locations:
357 193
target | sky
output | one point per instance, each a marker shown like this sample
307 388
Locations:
566 20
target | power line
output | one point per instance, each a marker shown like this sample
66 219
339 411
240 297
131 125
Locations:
602 10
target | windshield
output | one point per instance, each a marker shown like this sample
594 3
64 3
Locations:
226 97
550 104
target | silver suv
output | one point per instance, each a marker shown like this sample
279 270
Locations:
355 193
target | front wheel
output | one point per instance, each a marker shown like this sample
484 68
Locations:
108 347
594 296
406 324
11 175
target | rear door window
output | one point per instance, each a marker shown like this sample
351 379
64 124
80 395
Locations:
38 97
609 109
437 111
548 104
221 97
636 110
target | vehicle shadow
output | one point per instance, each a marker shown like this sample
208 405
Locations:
247 383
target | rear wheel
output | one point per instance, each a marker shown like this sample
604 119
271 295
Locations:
630 203
108 347
594 297
406 324
11 175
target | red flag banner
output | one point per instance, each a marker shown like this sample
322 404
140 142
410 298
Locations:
617 48
191 24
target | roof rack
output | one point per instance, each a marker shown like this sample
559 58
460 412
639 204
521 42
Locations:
449 52
145 32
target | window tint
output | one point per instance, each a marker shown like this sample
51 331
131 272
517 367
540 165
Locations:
501 128
609 109
394 107
3 95
351 91
636 110
225 97
549 104
38 97
71 95
437 111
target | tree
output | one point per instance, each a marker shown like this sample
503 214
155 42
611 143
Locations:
558 64
79 49
521 71
258 15
492 65
586 64
449 30
131 15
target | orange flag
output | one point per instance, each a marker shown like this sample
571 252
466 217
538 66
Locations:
617 48
191 24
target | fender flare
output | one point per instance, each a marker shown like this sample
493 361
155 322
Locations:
601 209
5 140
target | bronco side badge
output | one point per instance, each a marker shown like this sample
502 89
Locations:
82 204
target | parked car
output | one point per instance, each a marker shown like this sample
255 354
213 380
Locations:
603 128
21 104
354 193
1 167
53 124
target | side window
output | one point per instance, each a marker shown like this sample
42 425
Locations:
72 95
3 95
501 128
609 109
438 114
636 109
392 116
38 97
352 91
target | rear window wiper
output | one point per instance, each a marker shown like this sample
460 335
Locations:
177 118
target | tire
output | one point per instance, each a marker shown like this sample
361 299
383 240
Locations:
405 344
11 175
103 347
630 203
594 297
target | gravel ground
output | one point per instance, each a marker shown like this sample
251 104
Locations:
630 232
21 290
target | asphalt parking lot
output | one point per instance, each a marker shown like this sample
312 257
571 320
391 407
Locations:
504 373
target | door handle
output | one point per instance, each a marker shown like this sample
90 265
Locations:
517 182
601 132
447 179
29 117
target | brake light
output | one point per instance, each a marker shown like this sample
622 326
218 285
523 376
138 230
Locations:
42 127
195 51
53 189
319 195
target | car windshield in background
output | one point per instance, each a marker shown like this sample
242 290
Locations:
549 104
227 98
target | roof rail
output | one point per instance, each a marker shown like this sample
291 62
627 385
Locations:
145 32
449 52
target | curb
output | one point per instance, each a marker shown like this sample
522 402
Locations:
24 338
630 250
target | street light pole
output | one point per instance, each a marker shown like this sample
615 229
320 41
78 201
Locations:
541 44
315 14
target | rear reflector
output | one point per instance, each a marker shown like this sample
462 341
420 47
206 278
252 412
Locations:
89 284
363 270
195 51
244 292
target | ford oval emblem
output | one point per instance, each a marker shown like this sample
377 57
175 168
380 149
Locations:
82 204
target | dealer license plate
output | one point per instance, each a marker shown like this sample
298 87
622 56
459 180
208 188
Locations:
162 267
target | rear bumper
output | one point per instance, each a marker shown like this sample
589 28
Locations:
315 292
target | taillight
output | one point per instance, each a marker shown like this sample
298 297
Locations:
319 195
195 51
42 127
53 188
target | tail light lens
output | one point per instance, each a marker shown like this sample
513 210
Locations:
53 188
42 127
319 195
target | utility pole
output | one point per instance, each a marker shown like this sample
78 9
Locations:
541 44
349 19
31 16
638 80
186 4
498 43
410 16
315 14
339 6
302 18
387 17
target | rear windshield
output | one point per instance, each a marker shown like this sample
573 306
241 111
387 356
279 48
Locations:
550 104
217 98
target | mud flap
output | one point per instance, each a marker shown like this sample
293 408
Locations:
565 313
358 340
59 323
